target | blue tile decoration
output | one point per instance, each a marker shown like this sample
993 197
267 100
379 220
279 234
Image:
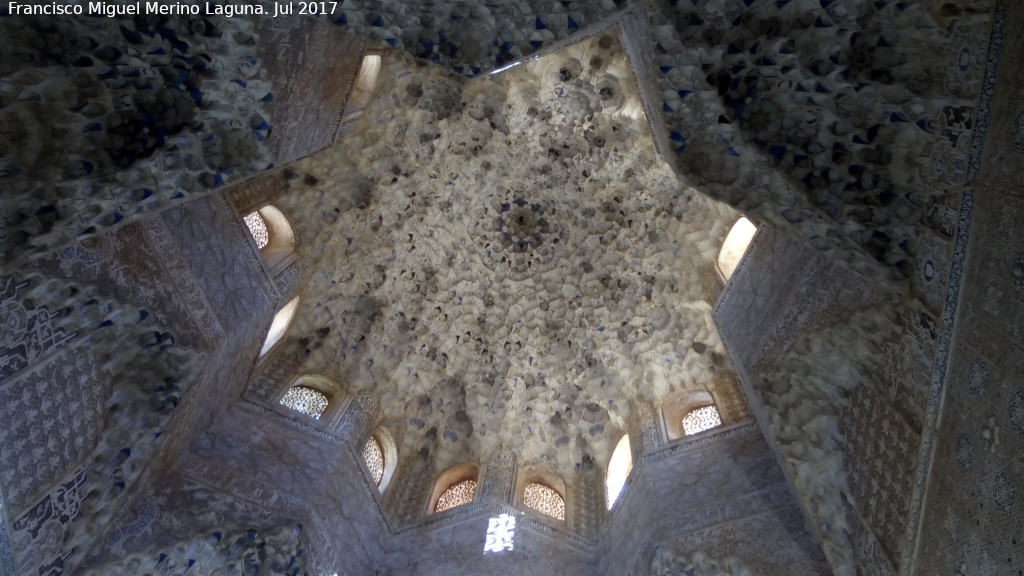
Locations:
947 324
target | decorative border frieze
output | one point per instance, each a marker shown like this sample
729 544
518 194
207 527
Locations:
448 518
475 511
185 283
339 111
776 496
243 239
741 269
257 192
264 412
947 327
565 538
217 477
687 445
637 42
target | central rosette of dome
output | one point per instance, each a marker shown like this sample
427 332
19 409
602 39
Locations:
522 225
517 238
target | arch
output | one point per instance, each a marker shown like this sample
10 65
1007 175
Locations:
381 458
735 246
306 400
675 409
545 500
455 487
273 234
619 467
331 392
279 326
363 87
543 491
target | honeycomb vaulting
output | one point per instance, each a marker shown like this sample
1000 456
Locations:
507 261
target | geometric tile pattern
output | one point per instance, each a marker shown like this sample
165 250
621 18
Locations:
52 417
132 265
29 329
230 279
973 518
880 448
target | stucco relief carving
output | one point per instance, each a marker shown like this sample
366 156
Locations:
928 147
225 264
498 480
972 506
31 329
55 413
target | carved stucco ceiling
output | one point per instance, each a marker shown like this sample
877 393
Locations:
506 261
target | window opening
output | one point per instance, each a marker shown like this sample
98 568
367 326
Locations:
544 499
618 469
501 533
273 235
258 229
374 457
306 400
735 246
456 495
701 419
280 325
362 88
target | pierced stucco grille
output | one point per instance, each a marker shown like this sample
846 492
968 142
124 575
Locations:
540 497
456 495
258 229
701 419
374 458
305 400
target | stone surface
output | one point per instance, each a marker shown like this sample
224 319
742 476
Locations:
972 519
823 361
313 67
511 271
508 261
719 494
151 113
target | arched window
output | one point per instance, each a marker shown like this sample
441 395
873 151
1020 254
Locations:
273 234
701 419
454 488
690 412
544 499
456 495
306 400
258 229
373 455
381 457
618 469
735 246
313 395
280 325
363 87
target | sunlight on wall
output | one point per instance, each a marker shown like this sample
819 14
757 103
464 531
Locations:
501 532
